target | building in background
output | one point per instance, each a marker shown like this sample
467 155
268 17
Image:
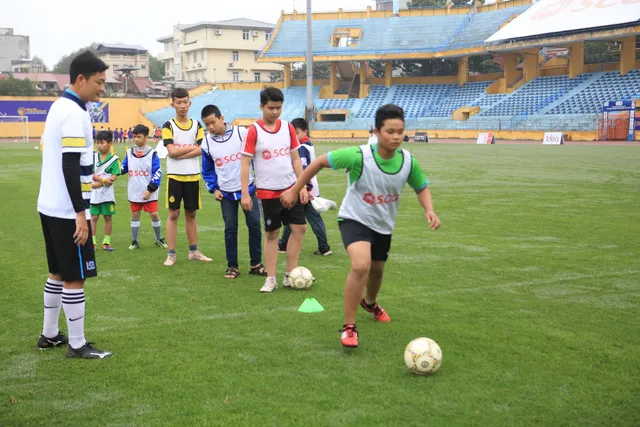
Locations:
388 4
13 47
26 66
216 52
122 58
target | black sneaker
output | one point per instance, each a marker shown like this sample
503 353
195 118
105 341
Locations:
325 253
88 351
45 343
282 249
134 245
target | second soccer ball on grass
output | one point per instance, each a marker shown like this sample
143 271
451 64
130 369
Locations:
301 278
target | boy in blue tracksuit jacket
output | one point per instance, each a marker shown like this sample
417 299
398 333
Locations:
307 155
221 161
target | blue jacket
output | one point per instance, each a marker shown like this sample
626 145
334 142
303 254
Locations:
211 177
305 156
156 171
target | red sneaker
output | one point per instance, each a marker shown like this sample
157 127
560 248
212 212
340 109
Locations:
349 336
379 314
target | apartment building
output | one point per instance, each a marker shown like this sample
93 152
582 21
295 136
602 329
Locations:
122 57
13 47
219 51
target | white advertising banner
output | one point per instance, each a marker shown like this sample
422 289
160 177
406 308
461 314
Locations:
486 138
556 16
553 138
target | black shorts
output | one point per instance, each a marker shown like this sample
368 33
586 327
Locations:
186 192
70 261
353 231
275 215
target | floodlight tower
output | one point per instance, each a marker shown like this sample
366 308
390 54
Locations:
309 110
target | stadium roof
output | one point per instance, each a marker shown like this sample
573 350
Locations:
390 37
116 47
547 18
243 23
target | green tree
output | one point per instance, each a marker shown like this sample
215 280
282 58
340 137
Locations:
600 52
377 69
38 60
62 66
15 87
483 65
276 76
438 3
428 67
156 68
320 71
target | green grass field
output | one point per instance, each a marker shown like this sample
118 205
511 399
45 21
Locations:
531 287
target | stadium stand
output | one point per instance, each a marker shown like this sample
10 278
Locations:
605 87
549 102
534 96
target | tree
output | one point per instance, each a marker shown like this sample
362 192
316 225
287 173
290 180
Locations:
276 76
426 3
62 66
320 71
483 65
599 52
377 69
156 68
428 67
15 87
439 3
37 60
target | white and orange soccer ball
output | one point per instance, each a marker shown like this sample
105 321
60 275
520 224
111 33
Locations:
423 356
301 278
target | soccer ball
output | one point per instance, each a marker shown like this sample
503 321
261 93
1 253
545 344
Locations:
423 356
301 278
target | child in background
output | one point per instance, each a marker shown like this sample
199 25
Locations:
143 166
307 155
103 200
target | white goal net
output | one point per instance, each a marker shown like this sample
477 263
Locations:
14 128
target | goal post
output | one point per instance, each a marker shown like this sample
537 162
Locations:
14 128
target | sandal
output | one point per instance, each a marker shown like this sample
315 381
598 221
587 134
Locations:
258 270
232 273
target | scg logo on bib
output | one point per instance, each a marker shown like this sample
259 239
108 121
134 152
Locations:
220 161
382 199
138 173
279 152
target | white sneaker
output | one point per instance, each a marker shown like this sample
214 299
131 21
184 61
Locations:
171 260
270 285
286 282
198 256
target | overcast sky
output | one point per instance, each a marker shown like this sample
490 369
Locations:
60 26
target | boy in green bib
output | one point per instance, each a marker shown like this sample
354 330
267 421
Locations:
106 169
377 175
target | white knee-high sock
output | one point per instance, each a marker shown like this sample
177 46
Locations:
73 302
52 306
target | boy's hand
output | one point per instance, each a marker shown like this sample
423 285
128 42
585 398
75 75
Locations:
246 203
107 182
96 178
218 195
146 195
288 198
113 178
304 196
433 220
